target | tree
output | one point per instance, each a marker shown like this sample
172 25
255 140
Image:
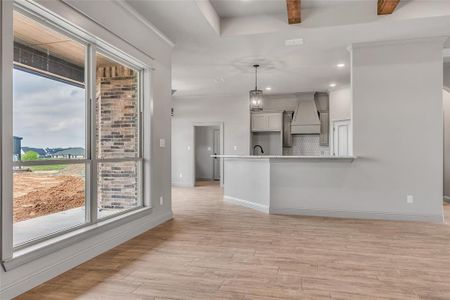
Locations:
30 155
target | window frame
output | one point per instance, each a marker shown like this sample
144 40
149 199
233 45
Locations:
9 251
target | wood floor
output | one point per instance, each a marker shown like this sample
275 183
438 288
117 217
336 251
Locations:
214 250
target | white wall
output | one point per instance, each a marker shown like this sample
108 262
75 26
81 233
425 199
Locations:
232 111
446 104
150 43
204 147
397 130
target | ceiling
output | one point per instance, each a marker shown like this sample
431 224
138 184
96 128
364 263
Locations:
217 41
237 8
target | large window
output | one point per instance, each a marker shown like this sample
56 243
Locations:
77 130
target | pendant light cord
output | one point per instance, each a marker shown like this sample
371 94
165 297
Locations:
256 77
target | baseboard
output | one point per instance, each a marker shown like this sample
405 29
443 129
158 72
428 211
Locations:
248 204
128 232
447 199
356 215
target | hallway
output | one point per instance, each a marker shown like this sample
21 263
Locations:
215 250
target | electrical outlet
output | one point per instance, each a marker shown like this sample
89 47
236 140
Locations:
235 148
209 148
410 199
161 200
181 175
189 148
162 143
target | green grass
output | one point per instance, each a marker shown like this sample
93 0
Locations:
47 168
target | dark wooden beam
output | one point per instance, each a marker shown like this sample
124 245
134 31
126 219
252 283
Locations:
387 7
294 11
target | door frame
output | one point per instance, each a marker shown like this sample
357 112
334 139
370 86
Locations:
214 147
350 138
208 124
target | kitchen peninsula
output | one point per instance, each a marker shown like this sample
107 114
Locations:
303 185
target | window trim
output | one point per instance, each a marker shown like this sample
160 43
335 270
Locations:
9 252
50 245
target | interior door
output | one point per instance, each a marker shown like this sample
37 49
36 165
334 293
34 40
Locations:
216 150
341 138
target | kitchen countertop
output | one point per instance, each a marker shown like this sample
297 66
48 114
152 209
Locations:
345 158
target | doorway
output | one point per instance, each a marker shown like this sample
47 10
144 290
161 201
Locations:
208 142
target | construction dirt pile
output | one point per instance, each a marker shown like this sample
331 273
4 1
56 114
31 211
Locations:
66 194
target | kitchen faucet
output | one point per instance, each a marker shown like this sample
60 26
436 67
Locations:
257 146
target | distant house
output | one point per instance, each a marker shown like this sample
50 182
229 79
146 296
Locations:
17 153
68 153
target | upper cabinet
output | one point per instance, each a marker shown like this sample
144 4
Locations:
267 122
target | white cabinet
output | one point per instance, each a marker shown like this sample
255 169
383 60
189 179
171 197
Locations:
267 122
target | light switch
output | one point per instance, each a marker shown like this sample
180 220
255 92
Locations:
209 148
162 143
235 148
189 148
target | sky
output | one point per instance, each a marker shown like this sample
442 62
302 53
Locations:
48 113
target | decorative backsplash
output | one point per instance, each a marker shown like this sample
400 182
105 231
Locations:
306 145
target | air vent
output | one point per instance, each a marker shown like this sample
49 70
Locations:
293 42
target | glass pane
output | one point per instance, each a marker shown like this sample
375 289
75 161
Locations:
117 110
49 93
47 199
118 187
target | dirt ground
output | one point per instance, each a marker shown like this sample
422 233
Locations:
42 193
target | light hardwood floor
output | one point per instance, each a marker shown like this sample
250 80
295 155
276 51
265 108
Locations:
214 250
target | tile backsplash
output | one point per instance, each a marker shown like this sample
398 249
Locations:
306 145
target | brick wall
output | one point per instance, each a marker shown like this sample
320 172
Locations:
117 136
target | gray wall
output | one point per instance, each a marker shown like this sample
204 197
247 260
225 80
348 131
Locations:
132 30
397 120
232 111
204 143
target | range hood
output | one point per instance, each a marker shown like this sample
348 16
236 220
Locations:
306 119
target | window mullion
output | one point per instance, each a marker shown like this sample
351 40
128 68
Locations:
92 147
6 109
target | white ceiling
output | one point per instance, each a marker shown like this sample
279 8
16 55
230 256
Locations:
239 8
206 62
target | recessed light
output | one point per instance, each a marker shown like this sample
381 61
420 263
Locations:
332 85
340 65
268 88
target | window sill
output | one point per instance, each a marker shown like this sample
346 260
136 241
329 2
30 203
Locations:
33 252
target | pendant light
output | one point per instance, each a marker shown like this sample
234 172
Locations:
256 101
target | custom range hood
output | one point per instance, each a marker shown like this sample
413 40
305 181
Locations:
306 119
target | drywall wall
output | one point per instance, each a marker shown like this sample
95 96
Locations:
248 183
397 133
204 147
127 36
446 105
231 111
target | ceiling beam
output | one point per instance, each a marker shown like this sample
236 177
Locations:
294 11
387 7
